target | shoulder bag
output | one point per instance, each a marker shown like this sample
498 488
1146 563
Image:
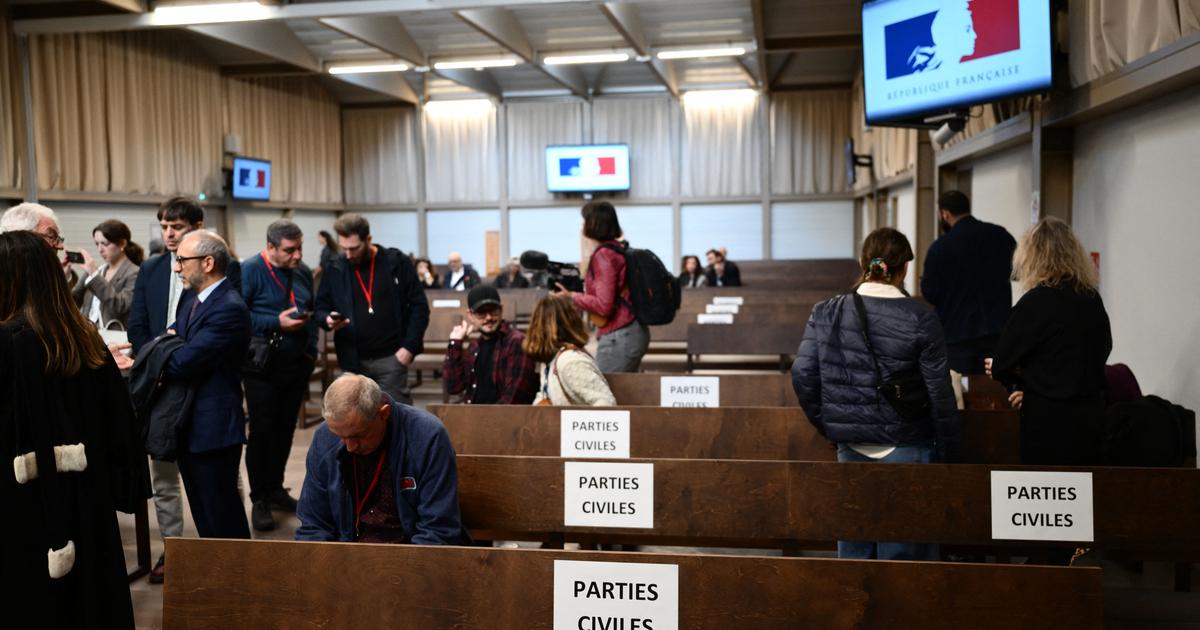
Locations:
905 391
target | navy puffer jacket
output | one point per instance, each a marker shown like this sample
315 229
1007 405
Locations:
836 383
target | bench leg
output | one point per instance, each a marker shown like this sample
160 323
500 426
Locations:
141 533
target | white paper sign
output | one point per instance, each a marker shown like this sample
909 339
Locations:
690 391
714 318
1031 505
615 595
585 433
608 495
729 299
447 304
721 308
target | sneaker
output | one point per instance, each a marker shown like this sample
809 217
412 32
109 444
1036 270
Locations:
260 517
282 501
159 571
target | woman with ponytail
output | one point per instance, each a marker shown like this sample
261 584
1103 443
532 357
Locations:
855 344
105 294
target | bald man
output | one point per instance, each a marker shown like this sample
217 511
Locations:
459 277
396 464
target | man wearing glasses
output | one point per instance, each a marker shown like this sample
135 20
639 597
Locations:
36 218
493 370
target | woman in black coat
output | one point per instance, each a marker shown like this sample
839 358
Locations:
67 425
1053 349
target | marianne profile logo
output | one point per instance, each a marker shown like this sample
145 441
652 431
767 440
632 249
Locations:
958 32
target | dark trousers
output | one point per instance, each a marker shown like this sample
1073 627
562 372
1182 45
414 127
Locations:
210 479
966 357
273 399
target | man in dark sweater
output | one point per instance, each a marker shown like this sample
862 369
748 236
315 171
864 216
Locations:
493 370
373 303
967 280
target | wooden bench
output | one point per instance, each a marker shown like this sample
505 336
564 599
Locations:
777 340
834 274
220 584
737 390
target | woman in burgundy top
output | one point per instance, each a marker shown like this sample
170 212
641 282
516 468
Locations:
622 339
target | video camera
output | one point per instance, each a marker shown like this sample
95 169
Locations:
548 272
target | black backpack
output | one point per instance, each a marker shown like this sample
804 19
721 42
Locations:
653 290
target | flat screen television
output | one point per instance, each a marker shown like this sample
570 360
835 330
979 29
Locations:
926 57
251 179
587 167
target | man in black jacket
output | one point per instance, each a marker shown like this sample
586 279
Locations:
373 302
967 280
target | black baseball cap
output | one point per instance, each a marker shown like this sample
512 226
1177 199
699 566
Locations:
481 296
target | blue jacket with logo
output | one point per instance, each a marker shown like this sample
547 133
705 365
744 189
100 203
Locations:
418 448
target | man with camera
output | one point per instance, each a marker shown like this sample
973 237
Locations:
278 289
494 370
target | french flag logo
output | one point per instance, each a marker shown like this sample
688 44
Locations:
587 166
958 32
252 177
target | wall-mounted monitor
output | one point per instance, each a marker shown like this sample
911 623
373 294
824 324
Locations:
923 57
251 179
587 168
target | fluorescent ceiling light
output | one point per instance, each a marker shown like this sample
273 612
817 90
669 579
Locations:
719 97
368 68
476 64
460 107
561 60
701 53
181 14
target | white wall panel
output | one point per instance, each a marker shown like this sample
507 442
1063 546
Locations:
394 229
737 227
812 229
460 231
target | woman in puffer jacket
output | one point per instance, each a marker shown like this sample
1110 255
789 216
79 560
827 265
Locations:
837 382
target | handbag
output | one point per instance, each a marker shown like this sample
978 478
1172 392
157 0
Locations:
550 369
260 352
905 391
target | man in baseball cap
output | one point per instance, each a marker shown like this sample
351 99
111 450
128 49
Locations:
492 370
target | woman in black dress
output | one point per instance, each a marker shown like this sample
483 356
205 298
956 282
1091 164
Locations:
1052 352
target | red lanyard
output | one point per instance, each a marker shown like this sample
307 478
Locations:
359 504
368 291
291 294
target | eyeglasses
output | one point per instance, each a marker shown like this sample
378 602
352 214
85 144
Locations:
182 259
53 238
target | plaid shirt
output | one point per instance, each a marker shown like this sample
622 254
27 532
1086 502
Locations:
515 374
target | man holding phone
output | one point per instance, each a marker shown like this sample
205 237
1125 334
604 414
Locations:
278 288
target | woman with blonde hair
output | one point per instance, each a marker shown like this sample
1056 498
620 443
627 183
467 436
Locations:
555 339
1052 352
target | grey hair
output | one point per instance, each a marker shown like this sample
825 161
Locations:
25 217
209 244
283 230
352 394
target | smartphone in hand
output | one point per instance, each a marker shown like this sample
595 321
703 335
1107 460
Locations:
75 258
301 315
337 317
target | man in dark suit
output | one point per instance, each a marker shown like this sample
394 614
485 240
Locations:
459 277
721 272
156 297
967 280
215 326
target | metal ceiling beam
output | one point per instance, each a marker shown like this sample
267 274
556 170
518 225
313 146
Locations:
750 76
628 22
478 80
665 71
273 39
502 27
133 6
387 33
760 52
787 61
391 84
813 42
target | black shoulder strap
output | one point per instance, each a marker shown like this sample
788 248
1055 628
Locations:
861 309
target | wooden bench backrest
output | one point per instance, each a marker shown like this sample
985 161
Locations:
745 338
833 274
737 390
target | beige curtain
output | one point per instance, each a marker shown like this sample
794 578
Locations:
808 133
894 150
531 128
70 133
645 125
722 147
1107 34
296 124
10 112
462 151
380 152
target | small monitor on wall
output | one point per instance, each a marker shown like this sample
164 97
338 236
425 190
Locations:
251 179
923 57
587 168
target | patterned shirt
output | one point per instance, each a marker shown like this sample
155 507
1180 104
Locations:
514 374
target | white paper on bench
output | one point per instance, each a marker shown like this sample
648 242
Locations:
623 595
714 318
690 391
447 304
587 433
1034 505
721 308
601 494
728 299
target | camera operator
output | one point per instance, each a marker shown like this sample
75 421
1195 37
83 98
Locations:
622 339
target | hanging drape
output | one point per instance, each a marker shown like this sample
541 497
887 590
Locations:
808 133
1107 34
68 86
461 152
295 123
894 150
532 127
645 125
10 112
381 157
722 146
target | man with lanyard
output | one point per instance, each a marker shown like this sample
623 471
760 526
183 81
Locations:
494 370
375 306
379 472
278 289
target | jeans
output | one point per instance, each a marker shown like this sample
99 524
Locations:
857 550
273 399
622 349
391 374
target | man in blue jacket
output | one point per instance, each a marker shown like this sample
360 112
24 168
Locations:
214 324
379 472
